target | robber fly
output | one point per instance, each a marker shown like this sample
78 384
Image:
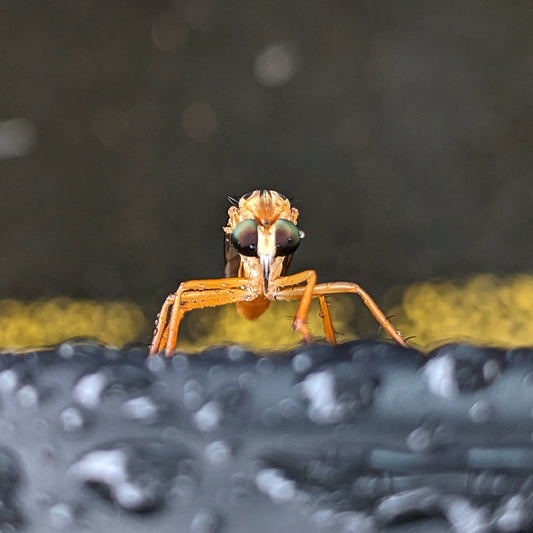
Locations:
260 238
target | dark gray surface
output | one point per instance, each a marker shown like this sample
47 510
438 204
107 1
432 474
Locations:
362 437
404 135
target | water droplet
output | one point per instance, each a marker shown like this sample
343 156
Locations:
420 440
155 364
192 395
301 362
141 408
464 517
179 362
66 350
491 370
61 515
324 518
216 374
184 488
171 434
218 452
440 376
264 366
28 396
242 488
208 417
129 496
246 380
235 352
512 514
406 502
480 412
319 389
88 389
8 381
289 408
480 484
136 475
205 521
528 379
71 419
272 482
353 522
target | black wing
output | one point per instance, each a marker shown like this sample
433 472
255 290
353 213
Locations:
232 258
285 265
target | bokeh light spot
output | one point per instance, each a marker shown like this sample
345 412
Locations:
199 121
17 137
169 32
276 64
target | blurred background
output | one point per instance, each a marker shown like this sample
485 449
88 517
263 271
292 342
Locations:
401 130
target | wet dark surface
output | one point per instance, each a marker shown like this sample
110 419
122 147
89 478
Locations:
362 437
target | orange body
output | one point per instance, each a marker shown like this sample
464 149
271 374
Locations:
253 309
260 237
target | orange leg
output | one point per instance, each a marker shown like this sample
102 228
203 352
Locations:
287 290
340 287
194 295
309 278
161 331
325 315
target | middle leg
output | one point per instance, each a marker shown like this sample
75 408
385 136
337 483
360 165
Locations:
289 292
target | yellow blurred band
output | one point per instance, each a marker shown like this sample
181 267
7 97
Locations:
483 309
47 322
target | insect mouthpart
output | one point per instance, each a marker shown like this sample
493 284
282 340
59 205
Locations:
266 260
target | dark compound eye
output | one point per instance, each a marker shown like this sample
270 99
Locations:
287 237
244 238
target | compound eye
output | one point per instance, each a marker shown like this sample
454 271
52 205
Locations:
287 237
244 238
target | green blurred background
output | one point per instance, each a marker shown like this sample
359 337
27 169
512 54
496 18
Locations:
402 130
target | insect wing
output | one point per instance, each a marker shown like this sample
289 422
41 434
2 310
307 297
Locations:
285 265
232 258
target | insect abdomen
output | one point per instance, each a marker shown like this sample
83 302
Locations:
253 309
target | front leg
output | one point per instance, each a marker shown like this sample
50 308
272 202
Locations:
161 331
194 295
284 285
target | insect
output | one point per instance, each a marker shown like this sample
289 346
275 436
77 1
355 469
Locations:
260 238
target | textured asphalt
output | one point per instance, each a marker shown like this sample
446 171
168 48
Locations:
362 437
